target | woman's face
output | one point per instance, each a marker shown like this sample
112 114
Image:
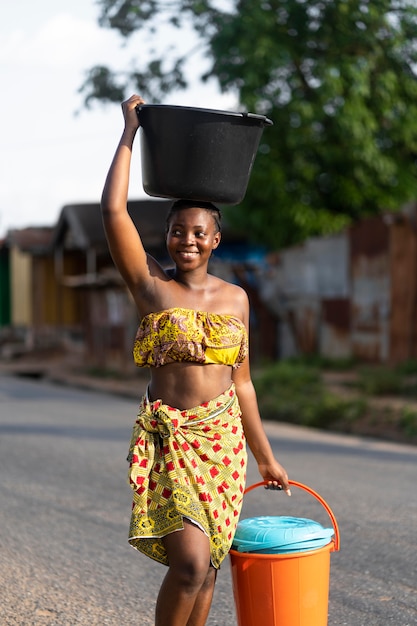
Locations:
192 237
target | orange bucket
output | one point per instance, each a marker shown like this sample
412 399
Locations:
284 589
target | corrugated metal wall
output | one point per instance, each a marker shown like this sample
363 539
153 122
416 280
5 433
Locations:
309 289
354 294
370 293
403 280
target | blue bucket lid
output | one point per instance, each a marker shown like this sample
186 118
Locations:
279 534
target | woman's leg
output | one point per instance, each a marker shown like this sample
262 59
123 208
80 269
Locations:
187 590
202 604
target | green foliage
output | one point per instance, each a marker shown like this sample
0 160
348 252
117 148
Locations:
104 373
294 392
408 367
380 381
408 422
338 78
102 84
318 361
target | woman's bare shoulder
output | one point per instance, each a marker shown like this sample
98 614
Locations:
233 298
239 293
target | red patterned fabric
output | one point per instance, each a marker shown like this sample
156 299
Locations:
187 464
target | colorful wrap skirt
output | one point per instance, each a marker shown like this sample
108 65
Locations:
187 464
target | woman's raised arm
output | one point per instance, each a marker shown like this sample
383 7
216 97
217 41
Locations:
136 268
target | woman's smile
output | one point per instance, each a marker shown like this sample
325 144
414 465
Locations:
188 253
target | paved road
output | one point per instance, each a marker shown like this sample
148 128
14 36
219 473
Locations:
64 512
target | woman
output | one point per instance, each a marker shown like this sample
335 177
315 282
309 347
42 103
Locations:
188 452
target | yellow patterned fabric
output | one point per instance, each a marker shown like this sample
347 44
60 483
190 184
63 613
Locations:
179 334
187 464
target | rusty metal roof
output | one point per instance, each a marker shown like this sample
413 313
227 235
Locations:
34 239
80 226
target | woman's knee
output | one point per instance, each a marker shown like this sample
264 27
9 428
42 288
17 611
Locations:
191 572
191 575
189 557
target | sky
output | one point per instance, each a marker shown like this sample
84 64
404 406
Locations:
51 156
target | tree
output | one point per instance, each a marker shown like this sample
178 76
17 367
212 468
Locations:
338 79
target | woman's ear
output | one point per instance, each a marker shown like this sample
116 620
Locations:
216 240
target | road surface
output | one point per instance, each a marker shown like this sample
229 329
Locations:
64 514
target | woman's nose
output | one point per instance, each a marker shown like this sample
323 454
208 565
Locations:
189 237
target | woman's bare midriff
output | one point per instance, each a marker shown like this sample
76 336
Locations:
186 385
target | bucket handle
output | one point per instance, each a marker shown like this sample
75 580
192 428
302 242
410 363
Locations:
336 540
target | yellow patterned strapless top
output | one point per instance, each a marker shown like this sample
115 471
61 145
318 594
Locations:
176 335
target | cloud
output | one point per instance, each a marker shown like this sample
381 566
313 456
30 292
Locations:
49 157
63 41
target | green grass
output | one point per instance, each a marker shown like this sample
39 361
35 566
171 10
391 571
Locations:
380 381
408 422
105 373
292 391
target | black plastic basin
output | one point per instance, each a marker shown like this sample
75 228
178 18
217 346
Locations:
198 154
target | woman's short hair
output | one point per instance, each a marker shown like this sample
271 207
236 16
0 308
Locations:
178 205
